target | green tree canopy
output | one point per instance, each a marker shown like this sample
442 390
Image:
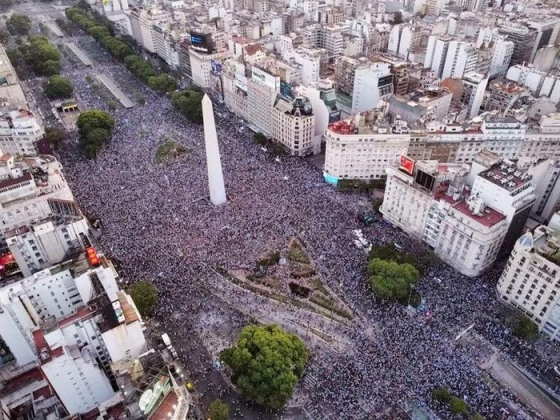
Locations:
163 83
94 127
219 410
441 394
145 296
458 405
188 103
58 87
41 55
526 329
54 136
18 24
391 280
267 364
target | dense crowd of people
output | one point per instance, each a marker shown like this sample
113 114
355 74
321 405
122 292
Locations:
159 225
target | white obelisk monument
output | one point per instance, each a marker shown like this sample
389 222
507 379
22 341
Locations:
213 162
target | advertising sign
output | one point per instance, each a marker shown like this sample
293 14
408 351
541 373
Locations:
202 42
264 78
241 82
286 90
406 164
216 67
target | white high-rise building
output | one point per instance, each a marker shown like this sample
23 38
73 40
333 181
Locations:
310 62
531 279
372 83
474 86
436 53
142 24
502 52
461 58
262 91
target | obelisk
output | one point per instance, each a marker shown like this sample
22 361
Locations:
213 162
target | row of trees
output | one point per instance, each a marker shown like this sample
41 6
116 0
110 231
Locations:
41 56
94 127
103 33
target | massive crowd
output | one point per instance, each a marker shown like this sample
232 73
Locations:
158 223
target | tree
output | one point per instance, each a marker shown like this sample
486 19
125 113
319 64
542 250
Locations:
477 416
94 118
54 136
260 139
163 83
526 329
458 405
188 103
441 394
267 364
94 127
145 296
219 410
18 24
391 280
51 67
43 57
58 87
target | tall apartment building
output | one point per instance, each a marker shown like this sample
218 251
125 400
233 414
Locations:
19 132
235 88
502 49
531 279
373 83
507 188
142 24
461 58
262 89
328 37
545 175
523 39
308 60
201 66
433 203
399 70
436 53
293 125
474 86
362 148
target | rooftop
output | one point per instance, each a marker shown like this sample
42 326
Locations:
488 217
506 86
507 175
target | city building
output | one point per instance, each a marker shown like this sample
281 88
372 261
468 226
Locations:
531 279
142 24
262 89
10 89
545 175
421 105
19 132
461 58
50 241
474 86
293 125
30 191
504 95
433 202
362 148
